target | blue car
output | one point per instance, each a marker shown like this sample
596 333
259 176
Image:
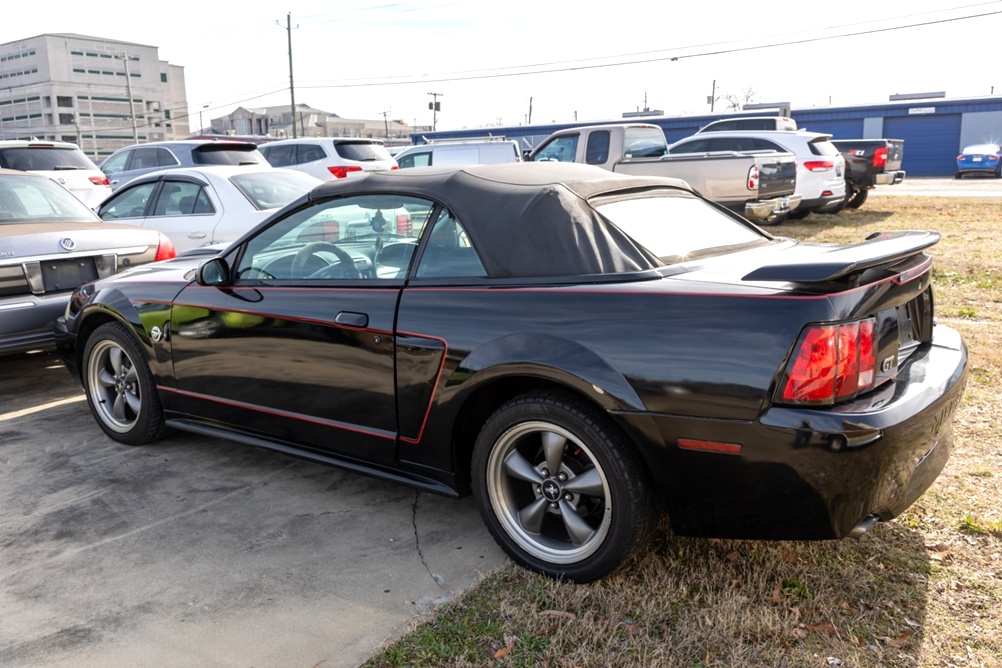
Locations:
980 159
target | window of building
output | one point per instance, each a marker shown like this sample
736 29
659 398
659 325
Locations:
64 101
65 119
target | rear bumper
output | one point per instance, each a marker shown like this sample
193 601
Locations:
811 473
889 178
26 321
763 209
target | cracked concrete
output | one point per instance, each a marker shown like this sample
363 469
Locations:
197 551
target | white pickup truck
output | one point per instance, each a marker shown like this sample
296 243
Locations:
759 185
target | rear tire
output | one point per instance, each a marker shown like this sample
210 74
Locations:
119 386
858 198
560 489
799 214
774 219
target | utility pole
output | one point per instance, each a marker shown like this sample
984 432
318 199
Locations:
713 95
386 127
435 107
292 87
128 91
530 112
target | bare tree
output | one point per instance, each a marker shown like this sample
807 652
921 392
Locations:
735 101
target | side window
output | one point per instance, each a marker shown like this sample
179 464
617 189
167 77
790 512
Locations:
360 237
165 158
694 146
310 153
179 198
597 150
130 203
278 156
449 252
559 149
144 158
116 163
415 160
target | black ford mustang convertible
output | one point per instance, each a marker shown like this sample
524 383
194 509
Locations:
580 350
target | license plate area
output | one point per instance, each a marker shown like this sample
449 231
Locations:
62 275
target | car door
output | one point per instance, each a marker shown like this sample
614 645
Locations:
186 210
298 345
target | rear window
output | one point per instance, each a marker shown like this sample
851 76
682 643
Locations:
362 151
25 198
677 227
271 190
823 147
44 158
227 154
981 149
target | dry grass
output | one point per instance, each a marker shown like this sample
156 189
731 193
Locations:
925 590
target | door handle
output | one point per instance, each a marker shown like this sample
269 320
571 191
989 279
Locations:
351 319
197 235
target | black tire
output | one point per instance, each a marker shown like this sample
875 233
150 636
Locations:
119 387
799 214
858 198
957 175
580 522
774 219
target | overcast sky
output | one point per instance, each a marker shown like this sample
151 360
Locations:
497 63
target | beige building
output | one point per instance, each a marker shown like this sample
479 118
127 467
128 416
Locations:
276 122
100 94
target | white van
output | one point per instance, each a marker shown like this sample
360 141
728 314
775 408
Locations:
474 152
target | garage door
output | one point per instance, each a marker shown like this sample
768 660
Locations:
931 142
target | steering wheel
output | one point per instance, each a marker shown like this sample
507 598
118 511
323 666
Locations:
311 249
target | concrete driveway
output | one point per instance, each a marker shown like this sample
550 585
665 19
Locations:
921 186
199 552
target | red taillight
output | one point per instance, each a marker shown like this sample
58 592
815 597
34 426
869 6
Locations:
405 226
752 178
832 363
394 167
343 171
165 248
100 181
880 157
819 165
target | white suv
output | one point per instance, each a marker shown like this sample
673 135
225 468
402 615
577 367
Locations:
62 162
329 158
820 166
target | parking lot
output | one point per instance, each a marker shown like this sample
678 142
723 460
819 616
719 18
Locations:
197 551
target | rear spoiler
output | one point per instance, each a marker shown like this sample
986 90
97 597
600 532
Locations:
880 248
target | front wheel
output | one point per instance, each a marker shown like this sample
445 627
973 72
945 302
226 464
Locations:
562 492
119 387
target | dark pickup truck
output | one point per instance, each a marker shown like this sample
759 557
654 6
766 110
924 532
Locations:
869 163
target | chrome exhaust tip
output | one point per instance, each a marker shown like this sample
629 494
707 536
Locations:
865 525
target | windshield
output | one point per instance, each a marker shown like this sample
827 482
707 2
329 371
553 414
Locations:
676 227
222 154
37 199
981 149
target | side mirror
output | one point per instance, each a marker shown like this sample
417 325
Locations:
214 272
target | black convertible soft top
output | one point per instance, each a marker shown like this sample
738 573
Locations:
526 219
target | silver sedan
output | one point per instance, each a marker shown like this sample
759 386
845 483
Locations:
50 244
198 206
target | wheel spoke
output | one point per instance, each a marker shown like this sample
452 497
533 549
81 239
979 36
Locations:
531 517
579 530
519 467
118 409
553 449
588 483
106 378
132 399
115 358
131 376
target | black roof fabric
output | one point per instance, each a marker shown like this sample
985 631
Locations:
525 219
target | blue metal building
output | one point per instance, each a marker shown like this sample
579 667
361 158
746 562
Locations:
934 129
